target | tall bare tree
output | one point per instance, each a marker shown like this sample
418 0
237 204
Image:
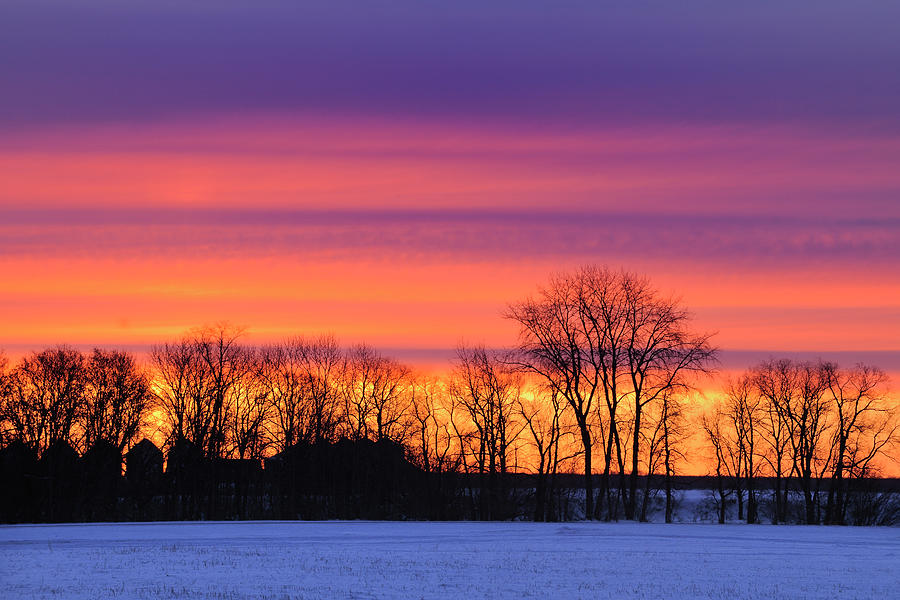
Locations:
303 379
599 333
45 393
866 427
249 412
543 413
6 433
117 400
375 394
226 363
180 388
488 391
431 441
664 440
776 383
196 380
284 380
568 346
321 362
662 353
713 428
391 391
809 416
744 412
431 436
795 427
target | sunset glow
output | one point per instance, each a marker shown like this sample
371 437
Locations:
399 177
418 238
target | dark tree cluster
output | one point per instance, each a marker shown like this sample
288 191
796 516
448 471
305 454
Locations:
346 480
601 385
61 396
60 485
813 430
617 353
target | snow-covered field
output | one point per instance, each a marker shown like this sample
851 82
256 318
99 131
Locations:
280 560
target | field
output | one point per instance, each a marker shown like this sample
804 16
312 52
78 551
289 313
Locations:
280 560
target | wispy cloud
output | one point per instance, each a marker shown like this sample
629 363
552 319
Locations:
398 172
451 235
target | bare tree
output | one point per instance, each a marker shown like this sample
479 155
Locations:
713 428
117 400
321 362
44 395
431 429
662 352
356 390
775 381
303 378
663 439
795 423
284 381
809 426
375 391
744 412
180 388
431 441
249 411
575 351
542 412
652 436
196 380
6 430
865 427
600 333
488 390
391 388
226 364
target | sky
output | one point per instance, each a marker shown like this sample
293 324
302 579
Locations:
397 172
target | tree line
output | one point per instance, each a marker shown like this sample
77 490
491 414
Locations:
811 424
602 381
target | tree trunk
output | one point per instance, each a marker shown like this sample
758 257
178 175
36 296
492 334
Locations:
623 483
635 448
588 476
645 500
776 516
669 504
752 516
784 500
540 498
721 500
607 462
751 503
810 507
832 508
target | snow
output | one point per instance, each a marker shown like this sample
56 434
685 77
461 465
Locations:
280 560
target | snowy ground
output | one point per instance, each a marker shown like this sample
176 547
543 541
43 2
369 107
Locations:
280 560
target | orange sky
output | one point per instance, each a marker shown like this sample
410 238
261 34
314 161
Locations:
413 235
365 173
416 237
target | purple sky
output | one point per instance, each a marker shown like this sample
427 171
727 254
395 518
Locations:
361 167
560 65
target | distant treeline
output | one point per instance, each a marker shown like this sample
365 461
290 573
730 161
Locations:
343 480
347 479
602 382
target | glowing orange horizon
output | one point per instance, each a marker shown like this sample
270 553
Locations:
414 235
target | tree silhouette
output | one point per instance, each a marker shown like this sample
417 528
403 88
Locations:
44 396
605 367
597 333
117 399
